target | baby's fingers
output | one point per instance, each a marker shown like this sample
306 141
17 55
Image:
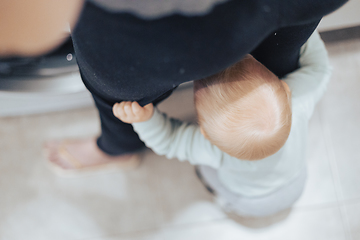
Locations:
136 108
118 110
149 107
128 110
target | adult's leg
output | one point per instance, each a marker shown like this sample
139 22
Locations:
280 51
117 137
298 19
123 57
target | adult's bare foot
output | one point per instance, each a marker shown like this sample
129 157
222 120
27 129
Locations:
83 155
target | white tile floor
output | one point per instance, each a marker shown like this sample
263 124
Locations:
163 199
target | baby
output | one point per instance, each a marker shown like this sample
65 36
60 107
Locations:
251 139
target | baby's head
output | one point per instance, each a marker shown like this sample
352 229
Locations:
244 110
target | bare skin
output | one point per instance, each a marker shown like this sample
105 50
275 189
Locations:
85 151
132 112
82 153
30 28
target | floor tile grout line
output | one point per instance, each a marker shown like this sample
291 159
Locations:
352 201
311 207
160 224
159 229
343 212
120 234
182 225
331 156
193 224
336 177
338 188
158 199
316 206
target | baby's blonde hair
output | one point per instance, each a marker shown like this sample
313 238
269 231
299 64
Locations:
244 110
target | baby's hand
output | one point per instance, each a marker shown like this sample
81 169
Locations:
131 112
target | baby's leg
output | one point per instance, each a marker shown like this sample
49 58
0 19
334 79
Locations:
255 207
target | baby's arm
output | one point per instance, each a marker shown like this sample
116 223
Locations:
308 83
167 136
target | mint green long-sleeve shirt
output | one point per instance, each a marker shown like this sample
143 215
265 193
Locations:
184 141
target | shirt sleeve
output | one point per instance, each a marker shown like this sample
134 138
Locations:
308 83
176 139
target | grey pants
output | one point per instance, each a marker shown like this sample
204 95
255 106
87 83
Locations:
262 206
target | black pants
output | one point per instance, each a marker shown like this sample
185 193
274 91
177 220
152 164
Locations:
123 57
